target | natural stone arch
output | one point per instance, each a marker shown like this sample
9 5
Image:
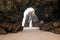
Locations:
30 17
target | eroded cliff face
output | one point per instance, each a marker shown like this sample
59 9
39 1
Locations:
11 11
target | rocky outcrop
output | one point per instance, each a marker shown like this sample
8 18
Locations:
52 27
11 13
8 27
12 10
2 31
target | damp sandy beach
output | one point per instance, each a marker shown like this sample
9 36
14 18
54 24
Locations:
30 34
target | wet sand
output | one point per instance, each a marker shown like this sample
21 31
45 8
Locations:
31 35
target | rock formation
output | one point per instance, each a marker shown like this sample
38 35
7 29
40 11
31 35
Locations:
51 26
11 14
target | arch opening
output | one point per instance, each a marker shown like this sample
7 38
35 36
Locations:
29 18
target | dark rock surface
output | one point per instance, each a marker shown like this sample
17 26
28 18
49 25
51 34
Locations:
10 28
52 27
11 13
2 31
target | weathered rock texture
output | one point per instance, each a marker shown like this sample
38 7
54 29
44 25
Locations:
11 12
52 27
10 27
